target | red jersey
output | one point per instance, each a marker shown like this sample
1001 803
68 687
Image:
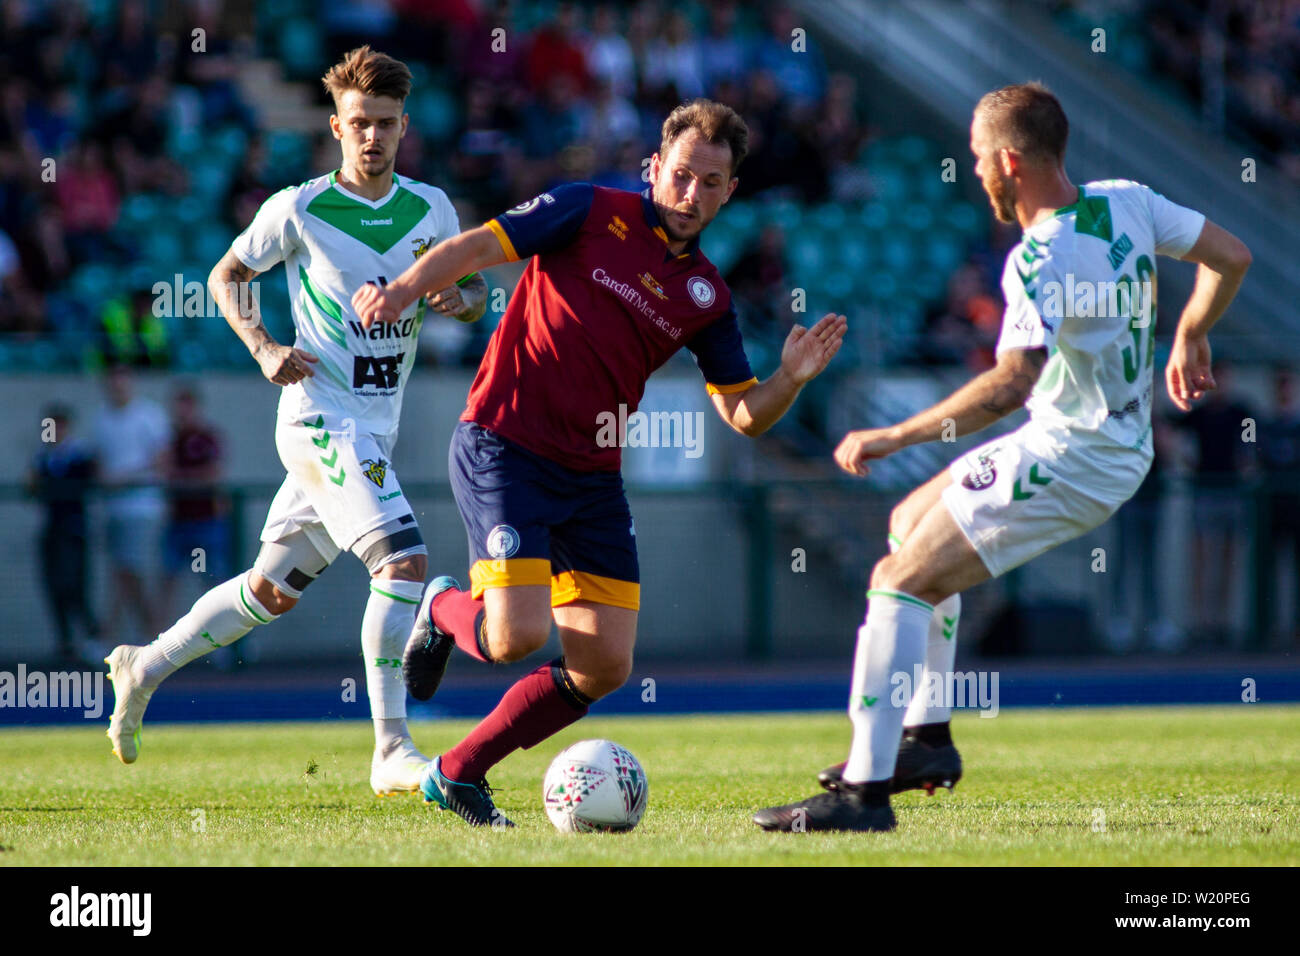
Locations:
602 304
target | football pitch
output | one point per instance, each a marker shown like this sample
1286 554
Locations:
1157 786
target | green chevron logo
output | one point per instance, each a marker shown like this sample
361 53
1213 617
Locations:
1034 479
949 627
868 701
338 479
329 462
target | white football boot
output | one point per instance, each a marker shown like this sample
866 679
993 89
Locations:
399 772
130 700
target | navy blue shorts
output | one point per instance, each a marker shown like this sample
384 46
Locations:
533 521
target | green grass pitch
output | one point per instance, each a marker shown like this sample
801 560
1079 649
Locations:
1166 786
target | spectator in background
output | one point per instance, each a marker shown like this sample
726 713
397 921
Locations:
60 478
21 309
486 150
130 437
964 331
88 201
198 511
1223 460
623 169
130 333
1279 459
1137 610
609 120
758 282
672 62
724 50
249 187
555 49
793 57
608 54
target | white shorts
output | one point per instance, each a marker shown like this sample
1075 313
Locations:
340 485
1029 491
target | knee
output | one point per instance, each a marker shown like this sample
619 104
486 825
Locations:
603 676
272 598
902 520
883 574
514 642
412 568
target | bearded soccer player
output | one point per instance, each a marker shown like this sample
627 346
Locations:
1076 350
616 284
342 384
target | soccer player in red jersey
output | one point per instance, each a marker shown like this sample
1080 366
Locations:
616 284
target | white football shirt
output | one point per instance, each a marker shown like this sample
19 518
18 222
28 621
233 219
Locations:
332 242
1082 284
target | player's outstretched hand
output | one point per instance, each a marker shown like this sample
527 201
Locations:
1188 375
284 365
375 304
448 301
807 351
860 447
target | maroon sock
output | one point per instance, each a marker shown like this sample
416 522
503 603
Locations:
535 707
459 615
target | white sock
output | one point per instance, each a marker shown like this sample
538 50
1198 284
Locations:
940 654
390 614
892 641
220 617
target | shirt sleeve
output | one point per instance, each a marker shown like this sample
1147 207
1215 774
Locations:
720 352
545 222
272 236
1023 323
1176 227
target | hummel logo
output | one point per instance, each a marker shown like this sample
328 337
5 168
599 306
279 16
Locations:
949 627
868 701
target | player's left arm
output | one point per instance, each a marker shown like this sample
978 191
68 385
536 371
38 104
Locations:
803 357
1222 260
979 403
466 301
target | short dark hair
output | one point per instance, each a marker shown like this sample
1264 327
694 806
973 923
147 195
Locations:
370 72
1025 117
715 122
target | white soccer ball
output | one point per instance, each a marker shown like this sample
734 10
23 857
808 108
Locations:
595 786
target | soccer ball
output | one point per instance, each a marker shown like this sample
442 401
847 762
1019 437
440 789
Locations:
595 786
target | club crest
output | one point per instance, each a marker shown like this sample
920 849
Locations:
376 471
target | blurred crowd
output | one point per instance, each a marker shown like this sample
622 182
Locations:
1238 59
165 519
88 105
95 98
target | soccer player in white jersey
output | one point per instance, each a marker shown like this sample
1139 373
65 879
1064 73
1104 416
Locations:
338 413
1076 351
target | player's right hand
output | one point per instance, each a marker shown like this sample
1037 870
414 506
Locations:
1188 375
375 304
285 365
859 447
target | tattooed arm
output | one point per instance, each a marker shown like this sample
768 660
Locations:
229 283
977 404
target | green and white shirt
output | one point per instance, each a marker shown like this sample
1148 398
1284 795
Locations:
332 242
1082 284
